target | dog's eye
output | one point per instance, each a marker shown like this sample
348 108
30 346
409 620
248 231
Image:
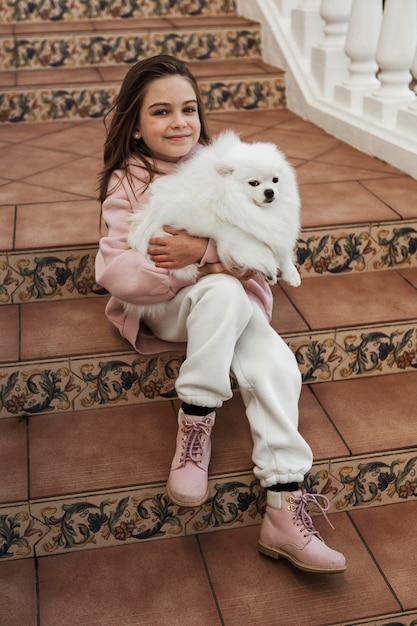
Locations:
254 183
275 179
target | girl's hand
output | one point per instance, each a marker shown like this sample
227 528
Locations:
177 251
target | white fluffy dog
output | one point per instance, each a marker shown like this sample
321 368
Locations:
242 195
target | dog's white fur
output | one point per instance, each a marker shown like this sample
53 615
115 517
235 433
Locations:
242 195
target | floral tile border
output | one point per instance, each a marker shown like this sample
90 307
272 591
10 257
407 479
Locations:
32 388
73 10
91 381
375 480
19 532
103 519
93 50
41 105
53 274
376 350
371 247
69 273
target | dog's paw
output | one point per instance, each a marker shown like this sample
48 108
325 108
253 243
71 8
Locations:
293 278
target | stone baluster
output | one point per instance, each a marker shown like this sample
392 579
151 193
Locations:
407 118
286 6
394 55
361 45
307 26
328 59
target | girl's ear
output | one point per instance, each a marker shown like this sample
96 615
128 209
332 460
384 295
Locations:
224 170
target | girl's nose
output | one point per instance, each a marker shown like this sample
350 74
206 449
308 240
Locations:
179 120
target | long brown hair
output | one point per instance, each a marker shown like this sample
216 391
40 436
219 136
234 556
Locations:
120 144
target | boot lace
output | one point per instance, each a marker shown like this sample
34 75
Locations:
194 438
299 504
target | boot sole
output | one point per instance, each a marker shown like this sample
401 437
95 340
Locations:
277 554
186 504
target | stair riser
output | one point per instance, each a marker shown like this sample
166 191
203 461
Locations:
28 11
121 48
92 102
115 518
31 276
90 382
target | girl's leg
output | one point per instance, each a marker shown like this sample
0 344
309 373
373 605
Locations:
210 316
270 385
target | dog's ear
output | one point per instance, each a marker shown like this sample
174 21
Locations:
224 170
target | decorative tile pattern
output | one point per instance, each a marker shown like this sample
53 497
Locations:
376 480
94 381
373 351
85 521
358 248
19 532
72 10
60 274
9 280
92 50
31 388
40 105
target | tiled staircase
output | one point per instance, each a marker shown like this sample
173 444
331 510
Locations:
87 426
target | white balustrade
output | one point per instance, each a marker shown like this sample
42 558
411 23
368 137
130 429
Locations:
361 45
394 55
307 26
329 62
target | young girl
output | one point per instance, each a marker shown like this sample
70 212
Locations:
157 121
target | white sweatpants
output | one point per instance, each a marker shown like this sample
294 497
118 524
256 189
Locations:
224 331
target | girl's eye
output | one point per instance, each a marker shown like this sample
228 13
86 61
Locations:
190 110
160 112
253 183
275 179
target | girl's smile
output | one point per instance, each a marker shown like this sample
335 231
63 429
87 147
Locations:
169 122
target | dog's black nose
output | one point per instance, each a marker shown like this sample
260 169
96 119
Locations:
269 194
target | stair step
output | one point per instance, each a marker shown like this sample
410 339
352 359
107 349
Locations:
82 483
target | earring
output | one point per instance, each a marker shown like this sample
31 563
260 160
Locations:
136 135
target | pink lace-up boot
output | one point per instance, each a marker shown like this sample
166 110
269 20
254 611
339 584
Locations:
188 479
287 531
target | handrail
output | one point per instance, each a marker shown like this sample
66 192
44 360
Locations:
351 66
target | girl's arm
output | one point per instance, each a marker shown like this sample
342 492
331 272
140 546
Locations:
124 272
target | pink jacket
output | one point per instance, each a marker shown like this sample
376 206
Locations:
128 275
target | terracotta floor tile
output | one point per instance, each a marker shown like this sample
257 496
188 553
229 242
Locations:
28 160
316 172
317 429
52 27
341 203
77 176
16 133
36 78
9 333
354 299
253 589
285 317
77 328
82 138
22 193
101 449
18 593
57 224
366 411
410 275
348 156
262 118
298 144
230 69
137 584
389 532
7 216
400 194
13 463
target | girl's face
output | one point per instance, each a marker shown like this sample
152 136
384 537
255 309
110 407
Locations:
169 123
